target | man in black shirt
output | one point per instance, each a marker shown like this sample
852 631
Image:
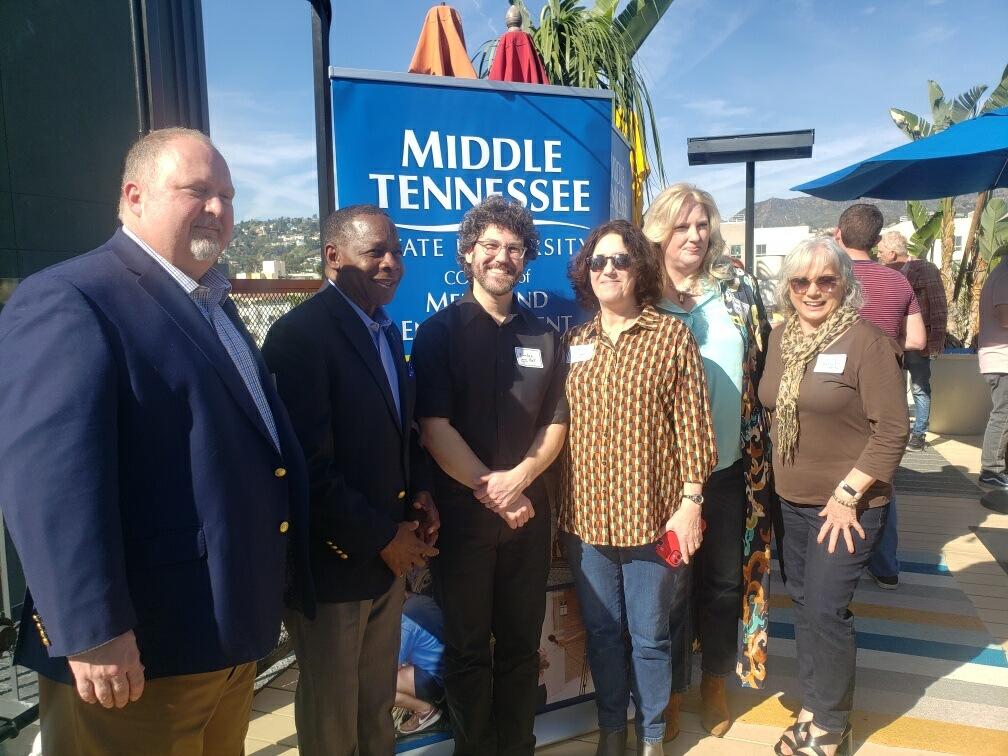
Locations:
490 400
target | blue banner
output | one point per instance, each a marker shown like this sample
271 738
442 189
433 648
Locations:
428 148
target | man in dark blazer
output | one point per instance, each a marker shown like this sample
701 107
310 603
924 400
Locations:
149 475
339 366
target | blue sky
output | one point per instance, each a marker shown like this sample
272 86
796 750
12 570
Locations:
713 67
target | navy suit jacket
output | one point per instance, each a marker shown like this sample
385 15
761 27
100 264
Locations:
364 460
137 478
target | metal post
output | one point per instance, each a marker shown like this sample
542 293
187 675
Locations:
750 212
321 22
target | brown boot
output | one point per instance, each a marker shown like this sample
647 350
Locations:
714 713
672 716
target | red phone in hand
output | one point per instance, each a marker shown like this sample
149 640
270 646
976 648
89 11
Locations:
668 547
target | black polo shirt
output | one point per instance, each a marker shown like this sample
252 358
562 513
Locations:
496 384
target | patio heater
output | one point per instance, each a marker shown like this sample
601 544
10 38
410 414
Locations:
749 149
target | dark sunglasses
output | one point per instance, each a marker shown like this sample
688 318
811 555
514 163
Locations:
825 284
620 262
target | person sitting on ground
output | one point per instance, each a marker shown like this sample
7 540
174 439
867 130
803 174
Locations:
420 682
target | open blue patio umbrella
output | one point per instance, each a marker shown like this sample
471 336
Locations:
969 157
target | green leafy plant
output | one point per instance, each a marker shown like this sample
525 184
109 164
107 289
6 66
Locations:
584 46
927 226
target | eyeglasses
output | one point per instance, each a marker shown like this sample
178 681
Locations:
620 262
825 284
492 247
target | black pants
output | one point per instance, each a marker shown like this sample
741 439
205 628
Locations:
489 579
821 585
717 582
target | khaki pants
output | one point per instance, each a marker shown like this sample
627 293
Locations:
186 715
347 659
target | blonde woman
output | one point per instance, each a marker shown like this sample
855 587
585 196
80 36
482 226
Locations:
722 308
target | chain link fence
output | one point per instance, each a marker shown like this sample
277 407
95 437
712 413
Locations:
261 302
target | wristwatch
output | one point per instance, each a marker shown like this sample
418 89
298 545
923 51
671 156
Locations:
850 490
695 498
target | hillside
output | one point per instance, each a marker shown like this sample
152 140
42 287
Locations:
293 240
820 213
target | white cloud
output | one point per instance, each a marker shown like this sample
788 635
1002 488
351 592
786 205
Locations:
835 148
686 36
869 10
273 172
717 108
934 35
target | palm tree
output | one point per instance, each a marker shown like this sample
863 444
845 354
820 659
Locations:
586 47
944 113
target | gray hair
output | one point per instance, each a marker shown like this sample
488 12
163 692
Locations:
140 165
894 241
819 250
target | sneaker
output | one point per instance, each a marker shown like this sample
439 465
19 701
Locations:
916 442
888 582
419 722
991 478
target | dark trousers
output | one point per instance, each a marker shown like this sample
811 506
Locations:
347 658
821 586
717 582
489 579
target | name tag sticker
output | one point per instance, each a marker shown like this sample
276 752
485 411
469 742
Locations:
580 353
830 363
527 357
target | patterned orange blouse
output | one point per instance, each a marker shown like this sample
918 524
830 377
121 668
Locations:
640 425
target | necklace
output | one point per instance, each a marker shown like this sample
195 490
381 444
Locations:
689 290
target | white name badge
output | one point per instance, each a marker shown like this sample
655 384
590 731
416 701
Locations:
530 358
580 353
830 363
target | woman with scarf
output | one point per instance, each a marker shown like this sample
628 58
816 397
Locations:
835 390
722 307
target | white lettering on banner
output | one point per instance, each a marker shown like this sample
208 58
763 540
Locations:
408 328
534 300
439 151
435 304
560 246
420 246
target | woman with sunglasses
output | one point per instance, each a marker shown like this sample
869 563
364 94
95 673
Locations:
836 393
639 446
722 307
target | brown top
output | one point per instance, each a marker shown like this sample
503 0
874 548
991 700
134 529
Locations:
852 412
639 426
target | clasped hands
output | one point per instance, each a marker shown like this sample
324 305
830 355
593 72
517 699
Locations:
413 543
501 491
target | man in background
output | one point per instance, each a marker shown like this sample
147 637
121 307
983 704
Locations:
993 353
925 280
890 304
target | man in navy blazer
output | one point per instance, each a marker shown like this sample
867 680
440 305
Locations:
340 369
149 475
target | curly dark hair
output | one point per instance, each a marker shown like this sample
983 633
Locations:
510 215
644 266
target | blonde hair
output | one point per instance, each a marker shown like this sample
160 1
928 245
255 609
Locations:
140 165
804 257
660 219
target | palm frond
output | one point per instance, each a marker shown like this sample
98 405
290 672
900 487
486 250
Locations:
911 124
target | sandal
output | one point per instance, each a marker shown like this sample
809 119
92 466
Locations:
793 737
842 740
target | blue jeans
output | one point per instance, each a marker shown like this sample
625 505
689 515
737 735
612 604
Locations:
628 590
884 561
919 368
